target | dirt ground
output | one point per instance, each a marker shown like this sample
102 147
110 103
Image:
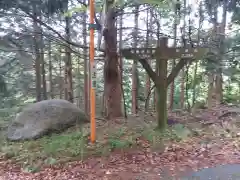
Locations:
214 140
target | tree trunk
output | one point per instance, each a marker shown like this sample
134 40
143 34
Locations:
157 70
211 76
111 70
147 80
201 18
60 75
171 98
194 83
155 90
182 76
121 64
38 56
187 87
210 90
68 65
182 87
219 80
134 66
218 87
44 83
50 69
86 66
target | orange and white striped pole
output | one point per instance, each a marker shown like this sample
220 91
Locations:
92 74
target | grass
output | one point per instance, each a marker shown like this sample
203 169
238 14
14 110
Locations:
74 144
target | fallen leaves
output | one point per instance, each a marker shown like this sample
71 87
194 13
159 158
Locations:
175 159
132 164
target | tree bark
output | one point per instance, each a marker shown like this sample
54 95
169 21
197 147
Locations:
60 75
50 69
86 66
219 80
134 66
171 98
211 76
194 83
210 90
112 89
68 65
147 80
44 83
121 64
182 76
37 64
157 65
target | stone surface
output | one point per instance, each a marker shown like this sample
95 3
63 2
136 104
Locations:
221 172
44 117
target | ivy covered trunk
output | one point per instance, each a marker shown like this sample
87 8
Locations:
112 78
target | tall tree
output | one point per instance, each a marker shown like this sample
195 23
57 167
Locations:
50 67
201 18
134 66
157 64
219 80
213 12
120 45
68 61
172 87
112 89
37 63
86 64
43 71
182 78
148 38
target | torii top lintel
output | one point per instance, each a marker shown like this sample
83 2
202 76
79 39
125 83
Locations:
164 52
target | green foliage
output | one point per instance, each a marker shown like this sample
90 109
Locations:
58 144
116 3
31 169
50 161
236 15
181 132
116 140
48 149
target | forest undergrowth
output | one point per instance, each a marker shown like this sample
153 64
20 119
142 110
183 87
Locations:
128 149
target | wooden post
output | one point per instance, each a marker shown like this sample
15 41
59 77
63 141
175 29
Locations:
161 80
162 88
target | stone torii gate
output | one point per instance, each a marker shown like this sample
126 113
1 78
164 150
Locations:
162 54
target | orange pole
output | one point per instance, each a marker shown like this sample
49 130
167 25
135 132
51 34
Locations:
93 75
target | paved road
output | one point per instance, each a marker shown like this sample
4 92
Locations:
221 172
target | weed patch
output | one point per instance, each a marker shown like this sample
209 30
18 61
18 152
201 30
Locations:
73 145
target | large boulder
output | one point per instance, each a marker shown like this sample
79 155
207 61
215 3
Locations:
44 117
